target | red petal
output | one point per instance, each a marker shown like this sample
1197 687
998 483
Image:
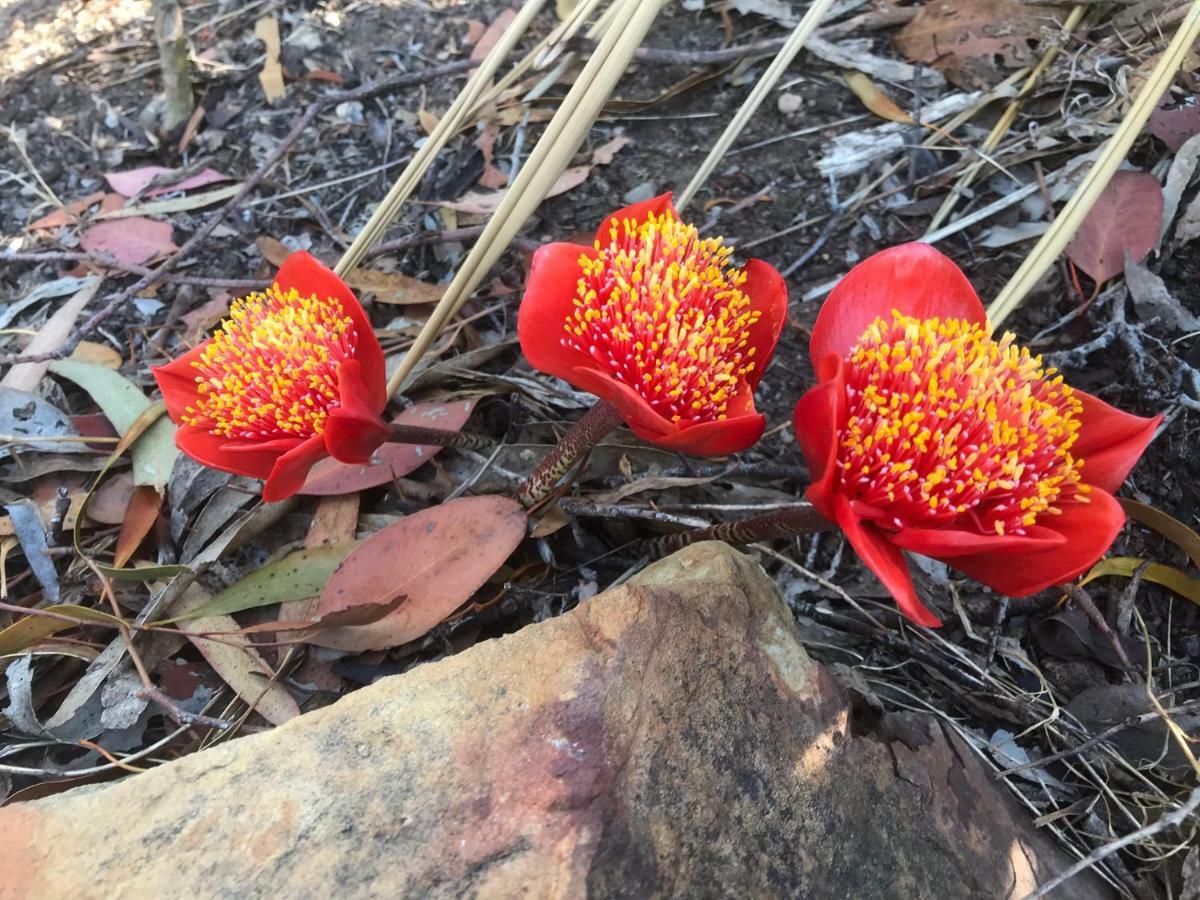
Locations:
912 278
1089 530
311 279
1110 442
817 420
291 469
634 408
353 431
220 453
549 300
711 438
768 294
177 381
887 562
638 212
948 543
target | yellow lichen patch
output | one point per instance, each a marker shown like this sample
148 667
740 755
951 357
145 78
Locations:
662 310
271 370
947 424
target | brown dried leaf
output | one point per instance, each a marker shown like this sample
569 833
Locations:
436 559
973 39
140 516
874 99
393 287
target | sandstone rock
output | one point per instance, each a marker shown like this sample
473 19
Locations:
669 738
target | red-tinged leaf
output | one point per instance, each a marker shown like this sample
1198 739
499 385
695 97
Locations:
65 215
330 477
491 36
435 559
1173 126
132 241
136 180
140 516
1126 219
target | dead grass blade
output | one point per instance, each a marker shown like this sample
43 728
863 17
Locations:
1055 240
769 79
549 157
446 128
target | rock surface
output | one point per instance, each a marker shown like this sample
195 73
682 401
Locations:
669 738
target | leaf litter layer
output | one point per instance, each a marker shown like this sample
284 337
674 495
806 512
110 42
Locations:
1058 705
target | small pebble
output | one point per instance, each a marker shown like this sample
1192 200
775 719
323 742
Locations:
644 191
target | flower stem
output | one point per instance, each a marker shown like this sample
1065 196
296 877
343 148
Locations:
779 523
439 437
583 435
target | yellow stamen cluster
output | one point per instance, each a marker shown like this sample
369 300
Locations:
663 311
948 425
271 370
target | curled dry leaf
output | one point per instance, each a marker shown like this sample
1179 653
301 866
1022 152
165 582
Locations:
329 477
436 559
1124 221
874 99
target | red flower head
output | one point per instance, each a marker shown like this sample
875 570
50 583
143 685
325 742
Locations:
926 434
654 319
293 375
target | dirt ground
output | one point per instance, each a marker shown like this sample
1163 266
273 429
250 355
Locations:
78 77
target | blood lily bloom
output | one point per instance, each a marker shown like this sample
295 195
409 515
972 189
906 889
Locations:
926 434
294 374
655 320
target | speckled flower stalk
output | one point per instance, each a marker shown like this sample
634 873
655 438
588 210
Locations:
779 523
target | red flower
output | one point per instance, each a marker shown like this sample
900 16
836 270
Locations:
654 319
925 434
293 375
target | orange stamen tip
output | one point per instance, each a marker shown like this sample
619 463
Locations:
662 310
945 421
270 371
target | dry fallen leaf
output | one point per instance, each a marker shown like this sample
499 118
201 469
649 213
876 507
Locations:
51 336
132 241
436 559
1125 220
393 287
68 214
492 35
140 516
266 30
135 181
973 40
874 99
